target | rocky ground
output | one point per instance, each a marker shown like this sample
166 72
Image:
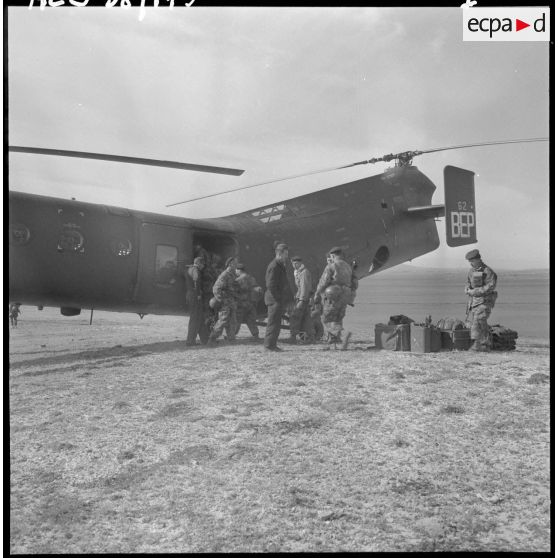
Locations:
122 439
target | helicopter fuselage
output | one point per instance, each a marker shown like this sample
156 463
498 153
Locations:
75 255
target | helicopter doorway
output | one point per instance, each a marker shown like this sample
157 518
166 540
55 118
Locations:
219 246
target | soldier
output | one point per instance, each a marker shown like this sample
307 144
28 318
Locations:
224 293
247 296
209 276
481 288
194 298
336 288
14 312
277 295
299 320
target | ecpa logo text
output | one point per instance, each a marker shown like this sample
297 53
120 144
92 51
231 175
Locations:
506 24
495 24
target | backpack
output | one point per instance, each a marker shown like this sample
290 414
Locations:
503 338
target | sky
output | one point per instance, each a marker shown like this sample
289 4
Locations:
278 92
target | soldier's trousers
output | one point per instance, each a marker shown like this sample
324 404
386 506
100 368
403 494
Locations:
332 316
246 314
480 332
273 328
197 324
226 320
299 320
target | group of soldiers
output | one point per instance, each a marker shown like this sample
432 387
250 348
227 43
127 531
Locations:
220 300
335 290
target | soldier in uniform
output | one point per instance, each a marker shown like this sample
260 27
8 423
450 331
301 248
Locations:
277 295
224 292
247 296
299 320
336 288
481 289
14 312
194 299
209 276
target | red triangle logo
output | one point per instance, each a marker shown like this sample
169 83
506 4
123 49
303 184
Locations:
519 25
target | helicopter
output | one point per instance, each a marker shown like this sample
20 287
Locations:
76 255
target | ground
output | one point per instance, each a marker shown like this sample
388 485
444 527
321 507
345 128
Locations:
122 439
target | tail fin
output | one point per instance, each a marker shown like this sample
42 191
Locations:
461 219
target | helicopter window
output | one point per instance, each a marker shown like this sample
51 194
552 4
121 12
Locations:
273 213
121 247
19 234
71 240
166 265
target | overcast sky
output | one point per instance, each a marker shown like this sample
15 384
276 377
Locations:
280 91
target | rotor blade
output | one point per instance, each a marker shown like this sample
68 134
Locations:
268 182
123 159
386 158
526 140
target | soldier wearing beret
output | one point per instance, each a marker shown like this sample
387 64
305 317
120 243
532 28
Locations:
481 289
224 291
336 288
277 295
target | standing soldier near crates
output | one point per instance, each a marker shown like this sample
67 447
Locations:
481 288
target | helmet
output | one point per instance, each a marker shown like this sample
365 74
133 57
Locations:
215 304
334 292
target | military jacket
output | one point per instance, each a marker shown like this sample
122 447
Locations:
482 281
193 276
303 282
336 273
277 285
245 283
224 288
